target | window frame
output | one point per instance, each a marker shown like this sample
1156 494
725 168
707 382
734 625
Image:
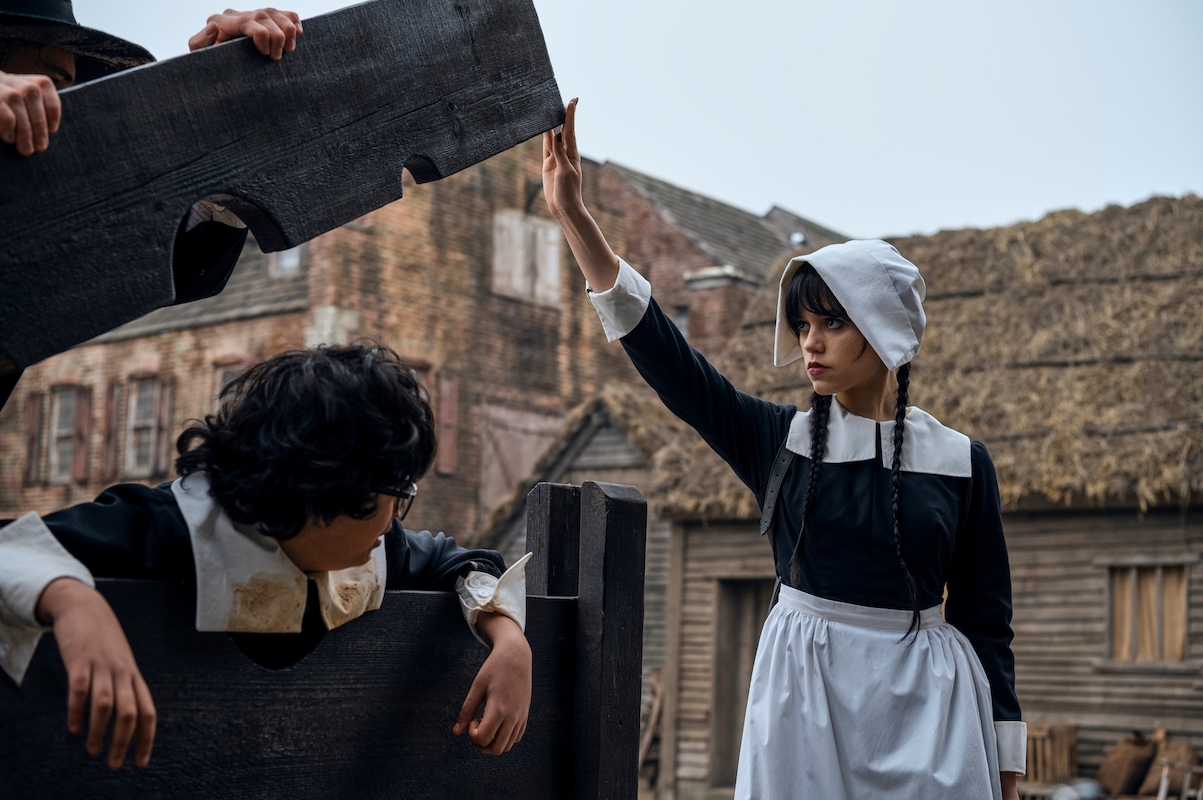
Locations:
130 468
55 433
537 252
1133 563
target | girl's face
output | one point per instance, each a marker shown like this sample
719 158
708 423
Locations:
341 543
837 356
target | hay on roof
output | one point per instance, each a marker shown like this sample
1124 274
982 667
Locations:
1072 346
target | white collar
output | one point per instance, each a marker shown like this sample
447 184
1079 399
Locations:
927 446
246 583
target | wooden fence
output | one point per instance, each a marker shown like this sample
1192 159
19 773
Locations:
368 713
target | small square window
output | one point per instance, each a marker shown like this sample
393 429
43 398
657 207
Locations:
285 263
527 256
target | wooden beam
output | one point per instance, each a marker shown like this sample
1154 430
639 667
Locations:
609 642
368 713
666 779
295 147
553 520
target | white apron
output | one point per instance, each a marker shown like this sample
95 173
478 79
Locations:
840 709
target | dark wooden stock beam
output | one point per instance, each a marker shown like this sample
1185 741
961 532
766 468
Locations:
367 714
296 147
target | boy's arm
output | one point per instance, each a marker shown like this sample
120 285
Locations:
494 604
43 586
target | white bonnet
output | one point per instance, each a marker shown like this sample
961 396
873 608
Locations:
881 291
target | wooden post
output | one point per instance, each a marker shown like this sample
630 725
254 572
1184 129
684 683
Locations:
609 641
553 529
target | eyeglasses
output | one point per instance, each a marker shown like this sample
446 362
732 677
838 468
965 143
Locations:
405 498
405 501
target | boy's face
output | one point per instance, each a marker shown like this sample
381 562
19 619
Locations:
344 542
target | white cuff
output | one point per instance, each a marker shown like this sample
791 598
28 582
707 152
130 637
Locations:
1012 746
206 211
622 306
480 591
30 558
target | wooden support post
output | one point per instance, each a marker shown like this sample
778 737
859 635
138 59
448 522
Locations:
553 520
609 639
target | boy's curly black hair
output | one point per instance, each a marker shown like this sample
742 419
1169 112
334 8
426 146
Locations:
313 433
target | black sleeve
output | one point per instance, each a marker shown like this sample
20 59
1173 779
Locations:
744 430
421 560
129 531
979 586
203 259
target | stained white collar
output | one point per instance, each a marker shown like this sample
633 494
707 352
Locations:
927 446
246 583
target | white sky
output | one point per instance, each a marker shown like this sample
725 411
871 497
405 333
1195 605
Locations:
873 117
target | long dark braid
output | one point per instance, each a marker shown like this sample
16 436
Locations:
912 591
820 411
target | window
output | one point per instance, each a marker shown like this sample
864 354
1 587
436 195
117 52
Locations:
70 426
34 409
62 435
680 317
1148 611
285 263
147 428
222 375
526 257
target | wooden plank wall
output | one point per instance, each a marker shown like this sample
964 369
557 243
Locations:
1060 622
720 551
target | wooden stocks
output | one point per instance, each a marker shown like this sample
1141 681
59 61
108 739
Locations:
295 147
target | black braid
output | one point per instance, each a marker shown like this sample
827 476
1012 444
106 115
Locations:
820 410
912 591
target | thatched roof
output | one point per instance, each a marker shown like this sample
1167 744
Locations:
1072 346
633 407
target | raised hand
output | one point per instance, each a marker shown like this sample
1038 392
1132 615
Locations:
273 32
503 685
562 168
562 190
99 663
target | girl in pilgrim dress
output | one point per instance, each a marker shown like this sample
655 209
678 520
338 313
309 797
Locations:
859 688
287 519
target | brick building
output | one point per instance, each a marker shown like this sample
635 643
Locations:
467 278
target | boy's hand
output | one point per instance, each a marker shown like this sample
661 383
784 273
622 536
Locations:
99 662
503 685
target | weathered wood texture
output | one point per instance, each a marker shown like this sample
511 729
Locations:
553 514
295 147
368 713
1059 576
610 635
695 756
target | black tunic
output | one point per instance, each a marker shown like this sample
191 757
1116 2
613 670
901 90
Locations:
951 526
134 531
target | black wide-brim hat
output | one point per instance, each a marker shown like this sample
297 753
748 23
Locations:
52 22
